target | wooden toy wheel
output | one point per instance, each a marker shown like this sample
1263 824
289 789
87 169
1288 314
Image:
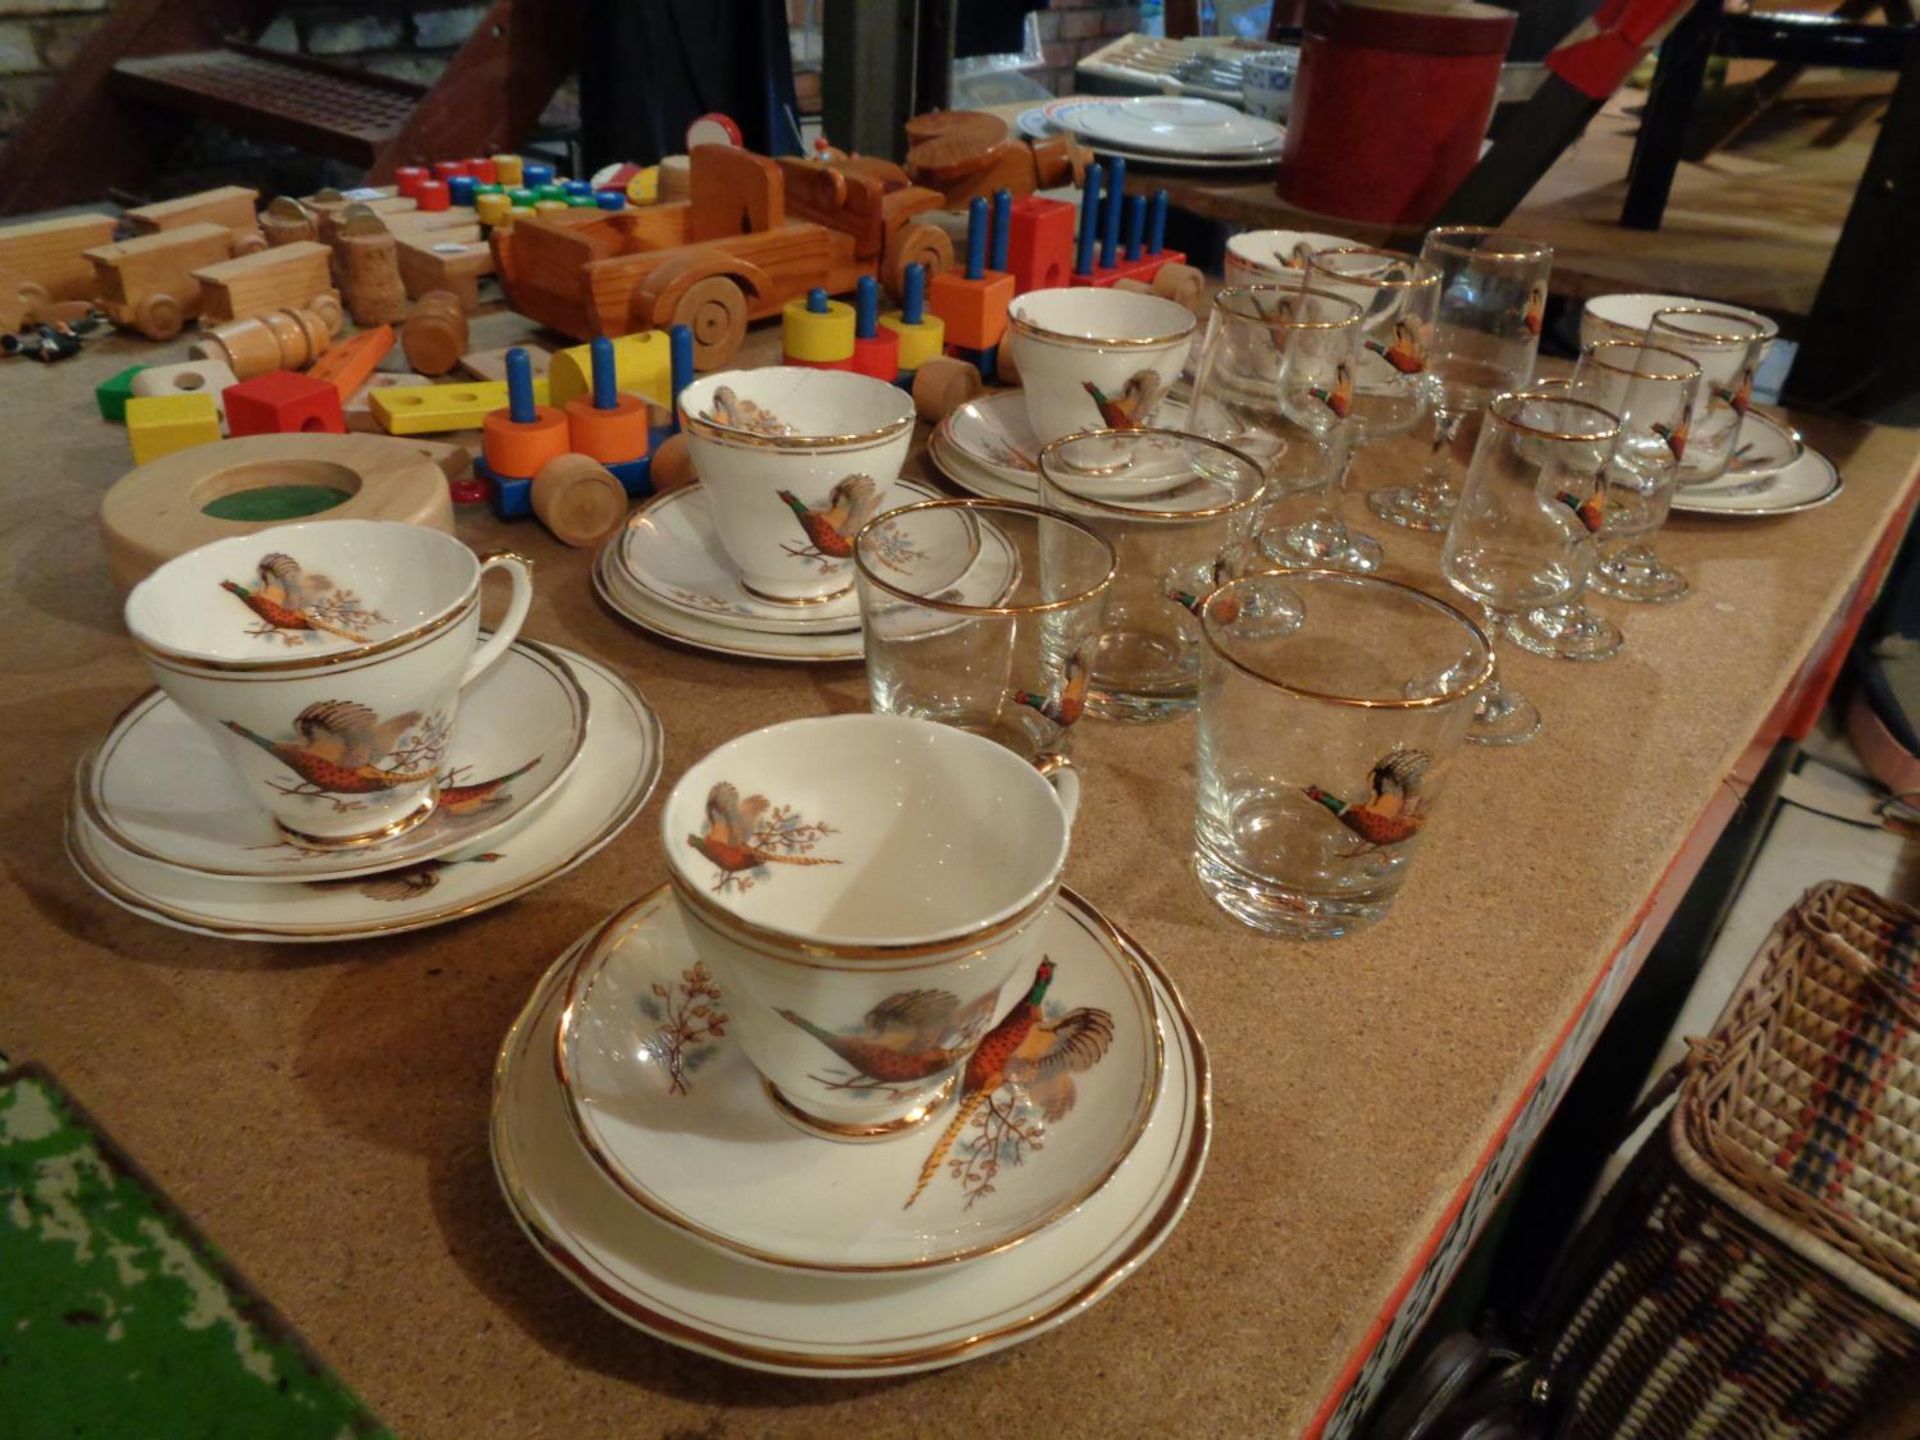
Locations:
159 317
926 245
715 309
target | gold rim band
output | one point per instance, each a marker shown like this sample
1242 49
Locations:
390 831
1501 406
1132 512
805 444
1592 352
1020 325
1421 274
192 664
1421 702
587 959
787 600
954 607
1223 301
1510 249
844 1133
1752 333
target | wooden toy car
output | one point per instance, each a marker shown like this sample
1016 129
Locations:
147 283
753 234
230 205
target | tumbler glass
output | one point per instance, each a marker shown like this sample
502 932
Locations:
983 615
1493 300
1726 346
1275 381
1170 505
1522 532
1332 707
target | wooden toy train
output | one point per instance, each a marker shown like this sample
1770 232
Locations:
753 234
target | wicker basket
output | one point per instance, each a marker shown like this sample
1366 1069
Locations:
1759 1274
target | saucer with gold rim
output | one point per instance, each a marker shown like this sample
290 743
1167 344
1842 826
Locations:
799 1323
676 1115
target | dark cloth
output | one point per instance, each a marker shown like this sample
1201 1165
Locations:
648 69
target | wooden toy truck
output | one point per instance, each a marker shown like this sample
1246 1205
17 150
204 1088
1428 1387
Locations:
754 234
147 283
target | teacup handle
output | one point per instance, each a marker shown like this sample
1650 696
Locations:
1058 771
521 569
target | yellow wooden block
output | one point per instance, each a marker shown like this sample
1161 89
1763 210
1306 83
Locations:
644 188
818 339
429 409
918 343
161 424
643 366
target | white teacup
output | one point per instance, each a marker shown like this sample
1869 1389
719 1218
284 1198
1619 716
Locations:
1255 257
327 661
794 461
1094 359
862 888
1626 317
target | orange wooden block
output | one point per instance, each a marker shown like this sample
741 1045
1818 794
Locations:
974 311
516 449
347 365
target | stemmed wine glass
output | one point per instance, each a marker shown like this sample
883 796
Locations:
1398 296
1652 390
1275 381
1493 297
1522 531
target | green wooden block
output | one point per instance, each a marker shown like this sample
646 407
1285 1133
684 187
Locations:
113 394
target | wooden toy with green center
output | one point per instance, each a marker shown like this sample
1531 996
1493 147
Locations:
973 305
517 441
753 234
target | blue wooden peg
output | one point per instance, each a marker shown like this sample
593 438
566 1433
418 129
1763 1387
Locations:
913 304
1136 224
1157 224
606 374
866 309
1002 223
520 406
680 369
1110 237
976 238
610 199
1089 218
817 301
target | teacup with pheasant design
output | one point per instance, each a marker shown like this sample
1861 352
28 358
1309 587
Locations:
327 661
1094 359
866 886
794 462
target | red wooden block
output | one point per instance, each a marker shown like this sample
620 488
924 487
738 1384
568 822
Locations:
974 311
1040 235
880 356
846 364
283 402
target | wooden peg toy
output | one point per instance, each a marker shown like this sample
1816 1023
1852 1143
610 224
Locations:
286 221
290 275
112 394
432 196
148 284
358 407
348 365
188 378
1040 243
279 340
229 205
973 304
434 336
435 409
461 190
516 441
643 364
284 403
943 385
608 427
579 500
408 179
509 170
494 210
922 335
1103 206
817 332
161 424
535 173
876 347
52 254
483 170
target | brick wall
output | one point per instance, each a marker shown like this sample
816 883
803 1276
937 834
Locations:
1073 28
37 39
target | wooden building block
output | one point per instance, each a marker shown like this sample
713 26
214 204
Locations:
229 205
347 365
359 412
370 272
279 340
492 364
52 253
431 409
190 377
435 334
286 220
112 394
452 260
643 363
1040 235
284 403
285 276
974 311
161 424
578 500
148 283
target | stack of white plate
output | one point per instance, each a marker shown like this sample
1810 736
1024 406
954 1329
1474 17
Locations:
1174 132
668 573
651 1169
161 825
987 447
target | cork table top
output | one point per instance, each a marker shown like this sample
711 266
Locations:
321 1112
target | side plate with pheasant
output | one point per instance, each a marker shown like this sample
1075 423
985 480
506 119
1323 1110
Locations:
157 788
1056 1079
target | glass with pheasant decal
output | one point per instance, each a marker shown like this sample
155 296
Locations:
1275 382
1332 707
1486 337
1726 346
1170 505
1522 532
982 614
1652 391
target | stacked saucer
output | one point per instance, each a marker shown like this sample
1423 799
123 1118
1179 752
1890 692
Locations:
163 826
988 447
652 1168
1174 132
668 573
